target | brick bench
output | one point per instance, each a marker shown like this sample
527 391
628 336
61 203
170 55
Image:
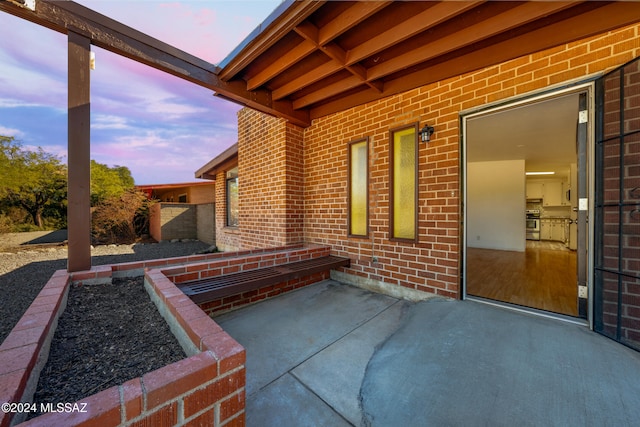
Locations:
210 289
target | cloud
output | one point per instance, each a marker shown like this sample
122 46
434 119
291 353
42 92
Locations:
162 127
5 131
16 103
162 155
100 121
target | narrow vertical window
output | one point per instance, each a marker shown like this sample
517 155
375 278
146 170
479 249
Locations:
232 198
358 222
404 188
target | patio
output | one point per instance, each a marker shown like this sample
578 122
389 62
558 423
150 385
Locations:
333 354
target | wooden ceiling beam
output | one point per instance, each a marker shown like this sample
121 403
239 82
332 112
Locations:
280 64
497 24
349 18
313 76
417 24
327 92
596 21
262 100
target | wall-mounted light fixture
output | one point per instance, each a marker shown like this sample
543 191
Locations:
426 132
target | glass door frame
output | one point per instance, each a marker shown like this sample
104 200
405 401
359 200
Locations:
587 87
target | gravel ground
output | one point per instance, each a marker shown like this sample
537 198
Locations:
25 270
91 352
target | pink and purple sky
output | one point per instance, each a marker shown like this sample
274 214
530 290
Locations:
159 126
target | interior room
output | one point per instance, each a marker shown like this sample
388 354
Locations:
521 196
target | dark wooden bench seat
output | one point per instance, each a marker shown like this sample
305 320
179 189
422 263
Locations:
213 288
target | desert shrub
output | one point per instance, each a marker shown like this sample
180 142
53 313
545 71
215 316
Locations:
120 219
6 226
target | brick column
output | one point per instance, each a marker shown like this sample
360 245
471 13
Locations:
270 183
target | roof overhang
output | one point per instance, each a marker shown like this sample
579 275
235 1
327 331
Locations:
225 160
319 58
314 58
145 187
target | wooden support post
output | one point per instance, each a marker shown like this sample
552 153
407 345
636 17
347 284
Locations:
79 156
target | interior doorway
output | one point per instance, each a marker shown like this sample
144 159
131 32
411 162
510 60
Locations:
523 170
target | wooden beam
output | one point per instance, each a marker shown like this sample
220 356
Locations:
313 76
591 22
281 64
346 60
63 16
497 24
328 91
421 22
79 136
349 19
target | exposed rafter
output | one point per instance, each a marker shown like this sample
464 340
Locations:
313 58
342 54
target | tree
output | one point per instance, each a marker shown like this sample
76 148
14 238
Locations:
107 183
32 180
121 219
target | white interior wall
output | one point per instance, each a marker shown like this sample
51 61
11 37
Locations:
496 205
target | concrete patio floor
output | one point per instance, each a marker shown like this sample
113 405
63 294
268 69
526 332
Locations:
335 355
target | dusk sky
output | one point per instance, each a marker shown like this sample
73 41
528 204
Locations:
161 127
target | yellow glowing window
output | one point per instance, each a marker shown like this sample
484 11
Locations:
404 163
358 188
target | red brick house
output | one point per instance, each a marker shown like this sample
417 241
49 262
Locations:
498 90
401 133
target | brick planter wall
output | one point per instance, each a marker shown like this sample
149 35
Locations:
206 388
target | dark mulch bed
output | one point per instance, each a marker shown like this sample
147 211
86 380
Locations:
107 335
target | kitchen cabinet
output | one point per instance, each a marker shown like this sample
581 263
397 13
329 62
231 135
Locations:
553 229
553 193
545 229
535 190
557 230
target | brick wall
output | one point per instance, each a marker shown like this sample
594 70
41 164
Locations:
227 238
206 388
246 261
270 180
433 263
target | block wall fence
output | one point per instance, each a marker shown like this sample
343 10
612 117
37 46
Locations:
168 221
274 209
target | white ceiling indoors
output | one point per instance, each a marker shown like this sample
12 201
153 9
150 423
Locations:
541 133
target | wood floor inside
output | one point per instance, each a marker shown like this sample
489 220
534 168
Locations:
541 277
